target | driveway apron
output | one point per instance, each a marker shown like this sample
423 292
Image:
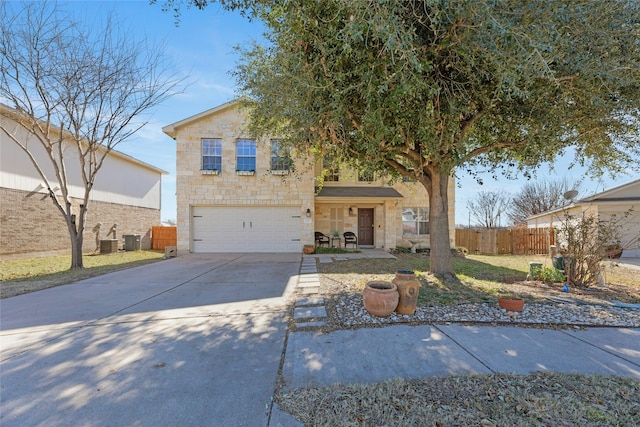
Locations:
195 340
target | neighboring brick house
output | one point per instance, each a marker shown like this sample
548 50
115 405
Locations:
235 194
127 192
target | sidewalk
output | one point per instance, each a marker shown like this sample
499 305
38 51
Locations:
371 355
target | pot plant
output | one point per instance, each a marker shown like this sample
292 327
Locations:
511 303
380 298
613 251
408 289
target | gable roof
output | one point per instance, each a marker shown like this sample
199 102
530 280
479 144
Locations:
172 128
12 114
628 192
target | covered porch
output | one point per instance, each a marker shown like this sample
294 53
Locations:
371 213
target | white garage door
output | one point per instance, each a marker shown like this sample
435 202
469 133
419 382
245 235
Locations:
246 229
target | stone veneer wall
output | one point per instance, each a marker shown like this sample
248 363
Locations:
229 189
31 225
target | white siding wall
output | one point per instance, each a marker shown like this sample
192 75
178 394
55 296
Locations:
120 181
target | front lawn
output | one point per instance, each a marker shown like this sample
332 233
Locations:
482 278
28 275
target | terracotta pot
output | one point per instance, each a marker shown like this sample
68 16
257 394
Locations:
380 298
308 249
408 289
613 251
511 304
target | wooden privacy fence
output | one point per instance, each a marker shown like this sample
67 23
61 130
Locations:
163 236
517 241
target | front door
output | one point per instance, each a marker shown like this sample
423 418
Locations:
365 227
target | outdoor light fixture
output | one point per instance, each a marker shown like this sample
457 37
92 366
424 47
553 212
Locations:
350 210
308 212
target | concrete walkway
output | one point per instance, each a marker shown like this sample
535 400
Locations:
376 354
369 355
193 341
199 340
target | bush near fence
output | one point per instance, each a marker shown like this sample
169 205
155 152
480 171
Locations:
516 241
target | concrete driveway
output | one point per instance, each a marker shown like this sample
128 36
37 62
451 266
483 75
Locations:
195 340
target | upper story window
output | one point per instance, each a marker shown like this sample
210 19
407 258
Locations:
332 171
280 156
365 176
211 154
246 155
415 221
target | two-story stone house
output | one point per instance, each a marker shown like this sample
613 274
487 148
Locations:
237 194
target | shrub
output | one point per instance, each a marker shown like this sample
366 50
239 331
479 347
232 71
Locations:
325 250
548 275
584 240
402 250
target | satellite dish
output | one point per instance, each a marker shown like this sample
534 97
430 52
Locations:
570 195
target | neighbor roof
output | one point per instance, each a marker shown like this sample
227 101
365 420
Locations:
601 197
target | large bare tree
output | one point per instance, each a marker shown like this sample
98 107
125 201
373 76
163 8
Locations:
537 197
78 93
487 208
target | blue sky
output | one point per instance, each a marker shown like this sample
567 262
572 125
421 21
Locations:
201 49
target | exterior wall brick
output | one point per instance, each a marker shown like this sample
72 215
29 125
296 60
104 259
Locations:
31 225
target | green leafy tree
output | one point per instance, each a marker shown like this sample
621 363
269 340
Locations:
429 89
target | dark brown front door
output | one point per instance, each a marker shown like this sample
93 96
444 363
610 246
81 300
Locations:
365 226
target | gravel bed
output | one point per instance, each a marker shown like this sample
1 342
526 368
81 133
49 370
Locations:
350 312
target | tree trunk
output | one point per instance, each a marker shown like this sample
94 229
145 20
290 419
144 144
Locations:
440 248
76 244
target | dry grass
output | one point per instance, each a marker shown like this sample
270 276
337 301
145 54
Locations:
543 399
482 279
539 399
28 275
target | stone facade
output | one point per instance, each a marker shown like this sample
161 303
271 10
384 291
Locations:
226 188
31 225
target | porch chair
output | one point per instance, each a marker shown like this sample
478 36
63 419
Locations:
350 237
321 239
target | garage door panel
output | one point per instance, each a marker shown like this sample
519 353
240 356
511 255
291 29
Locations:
246 229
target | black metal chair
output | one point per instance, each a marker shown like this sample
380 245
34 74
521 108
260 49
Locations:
321 239
350 237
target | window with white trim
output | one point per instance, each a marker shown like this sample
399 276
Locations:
415 221
365 176
332 170
212 154
246 155
280 156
